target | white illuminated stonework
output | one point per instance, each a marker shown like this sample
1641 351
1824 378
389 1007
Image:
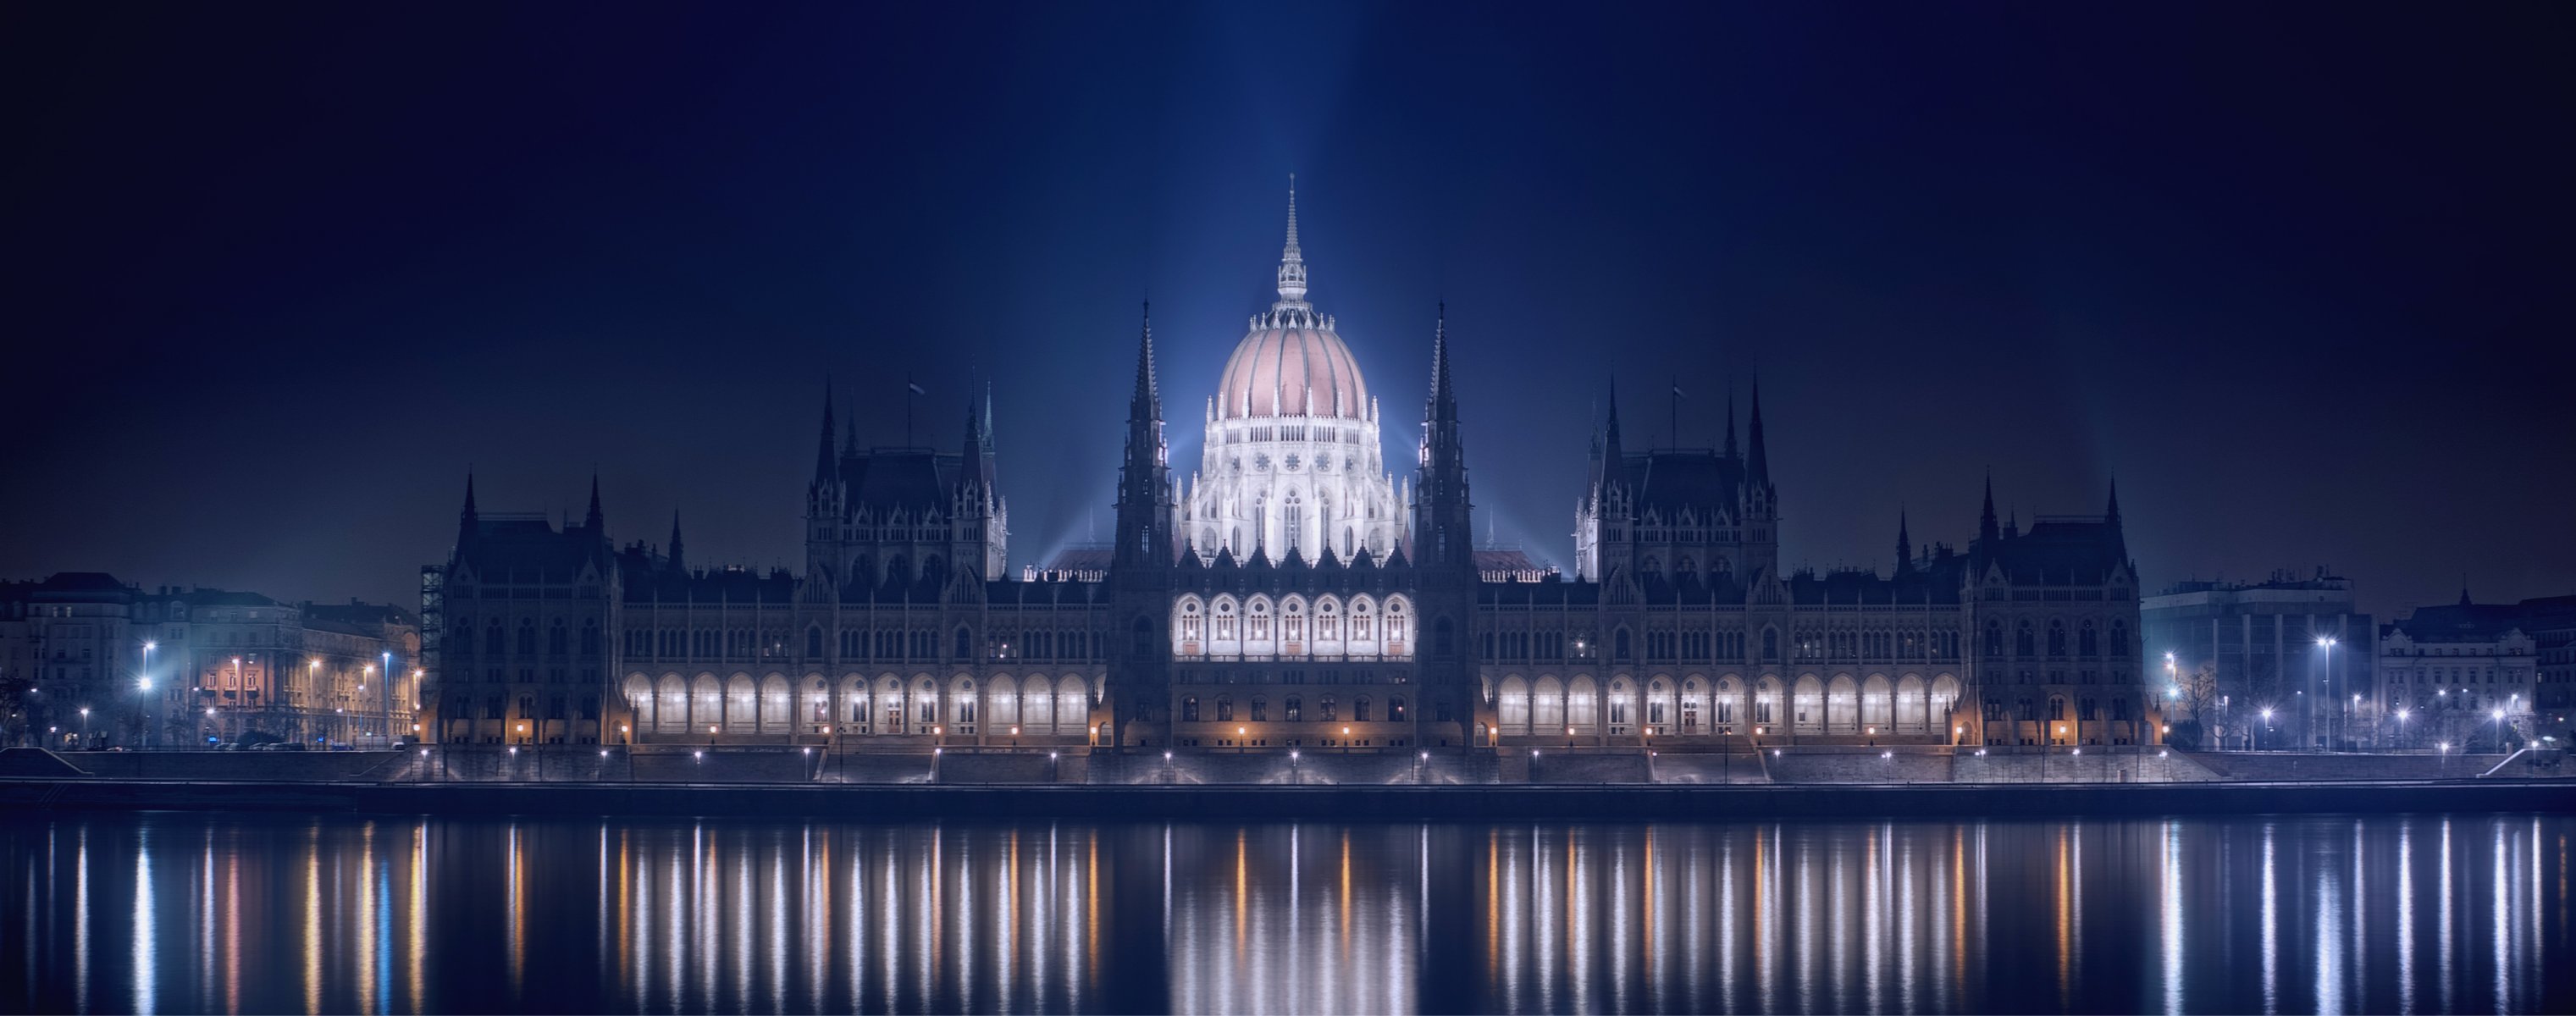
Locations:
1291 463
1292 627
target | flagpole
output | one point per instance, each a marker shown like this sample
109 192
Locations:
1677 413
908 389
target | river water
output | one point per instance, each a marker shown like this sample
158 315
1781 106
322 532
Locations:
254 914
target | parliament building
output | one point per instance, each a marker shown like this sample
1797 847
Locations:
1289 594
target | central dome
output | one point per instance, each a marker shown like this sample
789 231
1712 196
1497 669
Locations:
1291 364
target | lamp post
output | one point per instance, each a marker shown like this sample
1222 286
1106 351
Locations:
2401 729
2257 736
143 690
384 696
2325 679
84 728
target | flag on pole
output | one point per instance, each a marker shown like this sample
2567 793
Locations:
916 389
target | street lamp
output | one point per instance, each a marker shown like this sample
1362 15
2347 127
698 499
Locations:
143 685
2267 722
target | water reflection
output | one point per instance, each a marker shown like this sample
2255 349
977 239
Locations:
233 914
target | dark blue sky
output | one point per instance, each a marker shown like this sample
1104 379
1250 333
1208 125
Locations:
2298 275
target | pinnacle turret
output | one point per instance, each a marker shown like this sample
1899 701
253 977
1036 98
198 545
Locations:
1292 261
1757 463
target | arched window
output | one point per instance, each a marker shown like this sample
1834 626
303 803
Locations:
2119 638
965 643
1225 708
2087 643
813 641
1190 709
1296 709
1994 638
2056 638
2025 642
1395 709
558 638
1619 644
1324 709
1260 709
590 637
527 636
1360 709
1770 645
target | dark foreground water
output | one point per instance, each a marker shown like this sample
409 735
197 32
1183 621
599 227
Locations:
192 913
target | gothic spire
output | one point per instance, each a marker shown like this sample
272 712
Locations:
2111 517
465 518
1147 403
825 462
594 520
1758 461
1904 545
1730 422
1444 399
1986 530
676 564
1292 261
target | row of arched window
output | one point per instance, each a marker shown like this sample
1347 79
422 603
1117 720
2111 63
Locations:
2088 641
498 640
1002 705
1292 626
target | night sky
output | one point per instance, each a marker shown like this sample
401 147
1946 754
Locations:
2297 275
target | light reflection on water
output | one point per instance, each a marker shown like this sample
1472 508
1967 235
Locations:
188 913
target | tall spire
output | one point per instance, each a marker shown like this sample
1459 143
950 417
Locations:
676 560
1730 422
1147 404
988 416
1147 505
1444 399
1292 261
1904 545
825 462
465 517
1986 528
1444 525
2111 518
594 520
1758 460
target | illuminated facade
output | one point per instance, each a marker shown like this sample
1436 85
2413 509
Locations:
1294 596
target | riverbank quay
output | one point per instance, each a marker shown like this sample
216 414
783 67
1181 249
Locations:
1277 803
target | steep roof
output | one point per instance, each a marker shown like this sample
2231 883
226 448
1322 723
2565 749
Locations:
2462 622
527 548
1670 481
915 480
2062 550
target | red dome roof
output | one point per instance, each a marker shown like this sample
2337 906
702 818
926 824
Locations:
1286 359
